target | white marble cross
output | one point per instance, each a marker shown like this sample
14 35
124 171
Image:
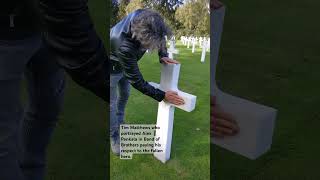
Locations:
204 50
200 42
185 40
172 50
208 44
194 42
256 121
182 39
188 42
169 81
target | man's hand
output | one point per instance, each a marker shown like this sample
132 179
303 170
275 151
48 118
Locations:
167 60
173 98
222 123
215 4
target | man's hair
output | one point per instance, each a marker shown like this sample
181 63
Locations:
150 30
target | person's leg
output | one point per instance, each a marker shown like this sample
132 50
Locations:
13 57
114 124
10 116
124 93
45 89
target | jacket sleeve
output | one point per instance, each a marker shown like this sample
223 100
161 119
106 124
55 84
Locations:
129 63
70 34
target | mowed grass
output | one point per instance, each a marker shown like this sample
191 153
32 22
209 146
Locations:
190 153
270 54
78 148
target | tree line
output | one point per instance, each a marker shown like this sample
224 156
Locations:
184 17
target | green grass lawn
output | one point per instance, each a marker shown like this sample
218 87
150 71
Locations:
190 153
270 54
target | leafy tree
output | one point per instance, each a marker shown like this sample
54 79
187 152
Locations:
115 12
167 8
191 18
194 17
134 5
122 9
118 11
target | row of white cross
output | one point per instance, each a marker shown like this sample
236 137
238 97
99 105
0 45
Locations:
205 47
201 41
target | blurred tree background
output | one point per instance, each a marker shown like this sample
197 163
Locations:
185 17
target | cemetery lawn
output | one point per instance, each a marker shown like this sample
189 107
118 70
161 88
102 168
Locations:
190 154
270 54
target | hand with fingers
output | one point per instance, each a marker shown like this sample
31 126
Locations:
222 123
173 98
167 60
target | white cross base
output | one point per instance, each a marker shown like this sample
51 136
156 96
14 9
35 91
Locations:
169 81
256 121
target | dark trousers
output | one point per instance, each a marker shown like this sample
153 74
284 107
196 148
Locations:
25 133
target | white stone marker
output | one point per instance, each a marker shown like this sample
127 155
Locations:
200 42
194 42
208 45
172 50
169 81
256 121
188 42
182 40
204 50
